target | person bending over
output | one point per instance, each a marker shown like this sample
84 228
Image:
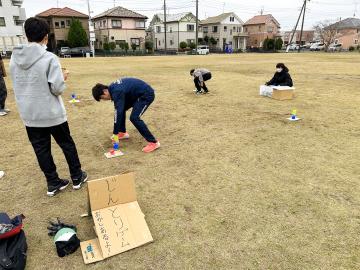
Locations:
129 93
201 75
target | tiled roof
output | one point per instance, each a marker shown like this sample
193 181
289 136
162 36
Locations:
261 19
349 23
62 12
120 12
216 19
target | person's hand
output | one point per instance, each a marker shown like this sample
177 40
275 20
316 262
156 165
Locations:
65 74
115 138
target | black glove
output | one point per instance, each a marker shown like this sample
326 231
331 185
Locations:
55 227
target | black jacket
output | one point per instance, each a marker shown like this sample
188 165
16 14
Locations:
283 79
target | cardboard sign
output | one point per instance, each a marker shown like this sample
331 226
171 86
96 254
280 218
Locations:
119 222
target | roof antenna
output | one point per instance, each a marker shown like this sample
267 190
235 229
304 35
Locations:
355 8
262 10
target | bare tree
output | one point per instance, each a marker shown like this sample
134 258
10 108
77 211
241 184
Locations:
326 30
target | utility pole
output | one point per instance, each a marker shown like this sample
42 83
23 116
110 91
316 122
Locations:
197 27
91 31
294 32
302 25
165 26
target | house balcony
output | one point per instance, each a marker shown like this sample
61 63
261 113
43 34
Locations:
17 3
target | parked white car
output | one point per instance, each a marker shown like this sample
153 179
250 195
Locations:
335 48
293 47
203 49
317 47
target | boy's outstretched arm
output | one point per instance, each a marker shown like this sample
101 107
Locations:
56 78
119 114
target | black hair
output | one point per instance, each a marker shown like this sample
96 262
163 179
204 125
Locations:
282 65
98 90
192 72
36 29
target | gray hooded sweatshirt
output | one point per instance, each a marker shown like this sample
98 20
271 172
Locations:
200 72
38 83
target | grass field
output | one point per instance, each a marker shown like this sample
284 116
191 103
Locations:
234 186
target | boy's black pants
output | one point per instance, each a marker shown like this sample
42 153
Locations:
138 109
40 139
206 77
3 92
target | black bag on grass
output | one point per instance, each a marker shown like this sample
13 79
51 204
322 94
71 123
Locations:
13 252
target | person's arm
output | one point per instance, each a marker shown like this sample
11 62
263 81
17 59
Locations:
271 82
56 78
119 112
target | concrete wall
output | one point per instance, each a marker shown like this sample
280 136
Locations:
11 34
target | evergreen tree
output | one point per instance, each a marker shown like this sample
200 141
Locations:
77 36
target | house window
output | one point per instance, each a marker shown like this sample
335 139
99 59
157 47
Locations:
259 27
17 21
190 27
246 29
270 29
158 29
232 19
68 23
171 42
119 42
336 41
215 29
2 21
206 29
231 31
159 42
57 25
135 41
62 24
0 3
170 29
104 23
140 24
116 23
112 38
225 28
356 41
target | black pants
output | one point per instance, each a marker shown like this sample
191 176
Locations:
3 92
40 139
139 108
206 77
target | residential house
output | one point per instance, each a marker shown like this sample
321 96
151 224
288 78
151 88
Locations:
119 25
307 37
12 18
59 20
348 32
261 27
180 28
227 29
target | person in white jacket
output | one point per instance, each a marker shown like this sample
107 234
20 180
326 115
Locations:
38 83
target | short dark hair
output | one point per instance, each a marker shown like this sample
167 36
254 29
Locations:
98 90
282 65
192 72
36 29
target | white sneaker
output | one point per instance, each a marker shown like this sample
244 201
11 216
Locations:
2 173
3 113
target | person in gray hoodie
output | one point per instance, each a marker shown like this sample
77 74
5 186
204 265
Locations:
38 83
201 75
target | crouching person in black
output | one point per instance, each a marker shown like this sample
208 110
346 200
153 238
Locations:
281 77
201 75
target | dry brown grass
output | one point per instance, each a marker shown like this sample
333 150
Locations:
235 186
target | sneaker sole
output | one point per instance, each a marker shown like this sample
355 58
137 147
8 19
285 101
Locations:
53 193
79 185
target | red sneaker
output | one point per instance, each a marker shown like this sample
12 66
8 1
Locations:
151 147
123 136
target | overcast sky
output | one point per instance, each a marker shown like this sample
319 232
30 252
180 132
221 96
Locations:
286 12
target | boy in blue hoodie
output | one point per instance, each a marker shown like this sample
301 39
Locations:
129 93
38 84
